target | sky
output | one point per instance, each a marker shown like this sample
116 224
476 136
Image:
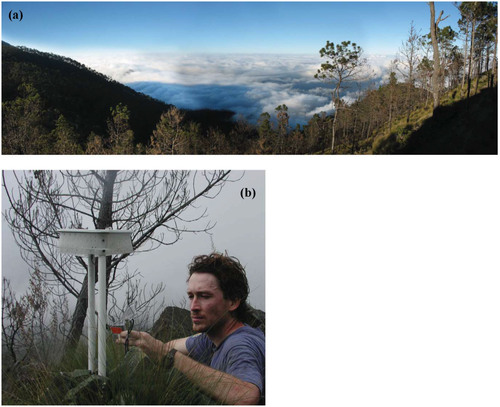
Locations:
239 229
222 27
248 57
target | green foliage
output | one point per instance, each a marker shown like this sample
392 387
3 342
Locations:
317 133
81 95
65 138
95 145
459 126
241 137
23 131
266 134
132 379
139 380
394 142
34 382
280 141
170 136
341 61
121 137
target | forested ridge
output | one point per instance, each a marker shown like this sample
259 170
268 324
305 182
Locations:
55 89
54 105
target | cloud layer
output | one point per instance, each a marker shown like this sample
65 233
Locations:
245 84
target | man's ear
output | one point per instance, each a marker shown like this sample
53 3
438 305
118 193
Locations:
233 304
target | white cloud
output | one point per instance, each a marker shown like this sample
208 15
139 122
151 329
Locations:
248 84
328 108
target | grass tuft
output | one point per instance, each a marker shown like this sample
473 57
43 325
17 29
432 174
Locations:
133 379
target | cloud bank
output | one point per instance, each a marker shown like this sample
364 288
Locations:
246 84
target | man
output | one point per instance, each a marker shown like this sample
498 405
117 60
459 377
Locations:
226 358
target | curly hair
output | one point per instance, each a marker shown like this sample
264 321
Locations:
231 276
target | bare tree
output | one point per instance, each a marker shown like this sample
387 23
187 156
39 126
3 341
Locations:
437 67
26 324
143 303
13 320
407 62
157 207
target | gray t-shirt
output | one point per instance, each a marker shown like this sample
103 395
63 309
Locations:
241 354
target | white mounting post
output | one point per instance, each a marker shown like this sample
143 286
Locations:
102 316
91 329
100 243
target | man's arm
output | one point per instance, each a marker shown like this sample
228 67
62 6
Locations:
221 386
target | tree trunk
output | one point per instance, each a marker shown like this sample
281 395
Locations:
494 62
465 58
333 129
487 67
471 55
390 112
77 320
354 128
336 104
409 102
479 69
103 221
436 71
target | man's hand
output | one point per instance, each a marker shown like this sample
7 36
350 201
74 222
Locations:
152 347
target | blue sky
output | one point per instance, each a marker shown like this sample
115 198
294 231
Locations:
254 27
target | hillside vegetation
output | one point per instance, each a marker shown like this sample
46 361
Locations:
66 87
132 377
457 126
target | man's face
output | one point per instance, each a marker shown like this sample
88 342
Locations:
208 307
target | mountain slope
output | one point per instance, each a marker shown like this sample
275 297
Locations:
458 126
465 127
83 96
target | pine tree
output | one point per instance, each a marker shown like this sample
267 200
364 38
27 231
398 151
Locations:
169 136
283 126
22 129
121 136
95 145
65 138
343 62
265 132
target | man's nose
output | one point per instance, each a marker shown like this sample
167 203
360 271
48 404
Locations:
195 305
